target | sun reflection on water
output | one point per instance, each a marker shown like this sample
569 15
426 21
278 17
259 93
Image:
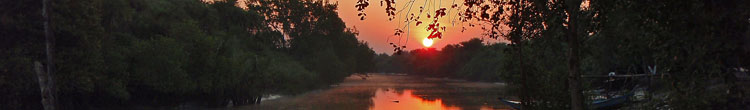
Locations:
390 99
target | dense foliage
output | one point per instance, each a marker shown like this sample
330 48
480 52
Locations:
170 52
696 49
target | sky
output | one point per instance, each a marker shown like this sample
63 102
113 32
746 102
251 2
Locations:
378 31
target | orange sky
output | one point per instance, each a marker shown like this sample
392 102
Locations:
376 29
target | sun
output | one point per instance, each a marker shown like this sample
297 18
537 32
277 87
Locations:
427 42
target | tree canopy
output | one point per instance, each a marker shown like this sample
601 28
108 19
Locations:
170 52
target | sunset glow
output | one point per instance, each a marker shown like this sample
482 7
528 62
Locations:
427 42
378 31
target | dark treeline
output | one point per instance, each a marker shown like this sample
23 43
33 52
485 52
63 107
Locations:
112 53
472 60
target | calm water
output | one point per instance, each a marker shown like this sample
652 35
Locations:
393 92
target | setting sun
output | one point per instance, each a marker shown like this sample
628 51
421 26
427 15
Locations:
427 42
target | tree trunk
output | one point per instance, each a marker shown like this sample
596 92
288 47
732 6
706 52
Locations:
48 90
525 99
47 97
574 84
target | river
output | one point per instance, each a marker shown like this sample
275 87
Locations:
393 92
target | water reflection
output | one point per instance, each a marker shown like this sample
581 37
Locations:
388 99
392 92
391 99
